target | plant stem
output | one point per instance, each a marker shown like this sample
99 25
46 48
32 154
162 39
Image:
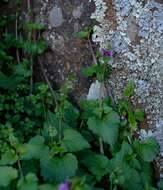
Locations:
30 39
81 124
20 169
92 52
47 81
60 129
31 79
16 36
29 5
101 146
110 93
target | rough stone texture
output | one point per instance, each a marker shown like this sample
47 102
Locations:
137 41
67 54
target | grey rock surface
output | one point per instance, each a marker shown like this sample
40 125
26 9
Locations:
67 54
56 17
137 42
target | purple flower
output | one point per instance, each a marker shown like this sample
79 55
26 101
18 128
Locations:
106 53
64 186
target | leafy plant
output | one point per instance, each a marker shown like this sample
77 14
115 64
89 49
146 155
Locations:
47 141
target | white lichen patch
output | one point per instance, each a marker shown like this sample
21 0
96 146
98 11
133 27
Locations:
137 43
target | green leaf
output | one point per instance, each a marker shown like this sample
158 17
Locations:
89 71
74 141
11 41
47 187
82 34
88 107
129 90
58 169
34 48
124 151
50 125
139 115
161 185
71 114
30 182
35 148
34 26
7 174
4 56
10 82
147 150
97 164
106 128
133 180
22 69
8 158
132 120
146 173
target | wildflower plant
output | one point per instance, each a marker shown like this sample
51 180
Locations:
49 143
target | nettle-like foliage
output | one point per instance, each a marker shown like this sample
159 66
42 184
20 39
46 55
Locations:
48 143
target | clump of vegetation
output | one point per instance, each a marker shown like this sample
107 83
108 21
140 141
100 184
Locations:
48 143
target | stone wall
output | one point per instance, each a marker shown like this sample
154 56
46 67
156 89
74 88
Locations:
67 54
135 30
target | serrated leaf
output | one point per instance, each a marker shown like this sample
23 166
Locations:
11 41
146 173
132 120
147 150
71 114
58 169
30 182
74 141
125 150
22 70
34 26
139 115
82 34
10 82
97 164
35 148
89 71
88 107
7 174
133 181
106 128
129 89
34 48
8 158
51 122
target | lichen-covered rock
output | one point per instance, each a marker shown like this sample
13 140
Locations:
137 43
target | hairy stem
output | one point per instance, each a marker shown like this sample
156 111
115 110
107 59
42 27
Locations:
20 169
31 79
16 36
110 93
30 39
101 146
60 130
92 52
47 81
